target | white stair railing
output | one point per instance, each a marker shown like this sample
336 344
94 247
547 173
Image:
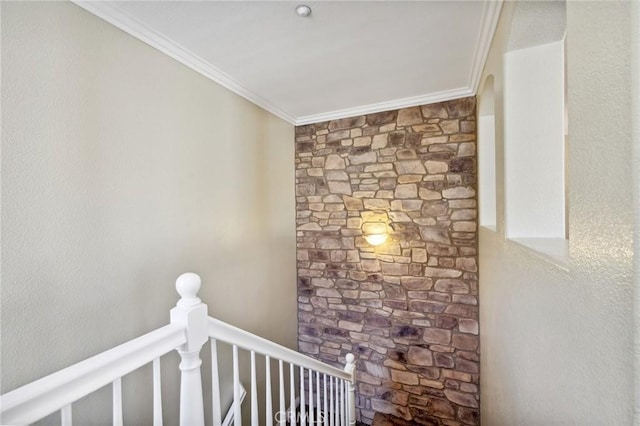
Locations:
323 406
59 390
330 391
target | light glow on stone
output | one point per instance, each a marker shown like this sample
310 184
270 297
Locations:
376 239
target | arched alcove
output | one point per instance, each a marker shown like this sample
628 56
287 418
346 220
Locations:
534 132
487 156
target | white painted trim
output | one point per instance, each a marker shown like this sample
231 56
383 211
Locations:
114 15
111 13
228 418
190 327
38 399
488 25
223 332
428 98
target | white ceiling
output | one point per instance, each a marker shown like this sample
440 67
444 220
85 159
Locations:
347 58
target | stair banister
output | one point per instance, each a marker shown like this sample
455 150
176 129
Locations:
223 332
192 314
350 368
42 397
188 331
229 334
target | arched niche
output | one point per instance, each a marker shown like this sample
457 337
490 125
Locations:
487 155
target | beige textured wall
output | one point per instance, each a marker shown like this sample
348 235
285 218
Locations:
635 94
121 169
557 339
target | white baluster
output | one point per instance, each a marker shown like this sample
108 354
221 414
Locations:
216 410
346 402
117 402
337 413
326 402
282 415
338 402
303 409
292 394
192 314
311 413
351 389
157 393
269 403
237 409
343 405
332 407
318 408
334 401
65 416
254 392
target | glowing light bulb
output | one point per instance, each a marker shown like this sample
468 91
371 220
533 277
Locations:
376 239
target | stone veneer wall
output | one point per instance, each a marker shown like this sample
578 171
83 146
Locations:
407 309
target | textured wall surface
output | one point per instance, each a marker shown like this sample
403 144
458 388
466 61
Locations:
557 337
635 116
121 169
407 308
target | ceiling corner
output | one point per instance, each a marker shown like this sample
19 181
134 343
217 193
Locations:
428 98
111 13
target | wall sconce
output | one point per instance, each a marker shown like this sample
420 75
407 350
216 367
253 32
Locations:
375 233
376 239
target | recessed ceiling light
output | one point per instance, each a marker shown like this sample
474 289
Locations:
303 10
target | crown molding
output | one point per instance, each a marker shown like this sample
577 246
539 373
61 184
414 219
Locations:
488 24
428 98
111 13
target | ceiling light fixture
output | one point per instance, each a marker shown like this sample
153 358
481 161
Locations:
303 10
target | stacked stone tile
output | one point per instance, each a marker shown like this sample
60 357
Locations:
407 309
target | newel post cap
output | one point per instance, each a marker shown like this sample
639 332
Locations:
188 285
350 366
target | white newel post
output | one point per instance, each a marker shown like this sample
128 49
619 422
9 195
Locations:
192 314
350 368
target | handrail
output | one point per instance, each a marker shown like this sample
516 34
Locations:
38 399
227 333
189 329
